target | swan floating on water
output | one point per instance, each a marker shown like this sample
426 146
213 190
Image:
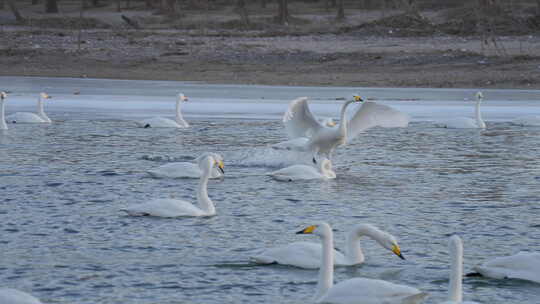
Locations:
162 122
320 139
466 122
305 172
3 125
14 296
527 121
176 208
27 117
186 169
308 254
524 266
357 290
455 289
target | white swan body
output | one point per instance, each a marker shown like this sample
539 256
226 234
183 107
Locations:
162 122
305 172
300 122
308 255
468 123
27 117
527 121
14 296
524 266
186 169
3 125
176 208
357 290
455 289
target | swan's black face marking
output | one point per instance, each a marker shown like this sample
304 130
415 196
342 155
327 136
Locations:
308 230
146 126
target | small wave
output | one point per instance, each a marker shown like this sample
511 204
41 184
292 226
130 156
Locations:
268 157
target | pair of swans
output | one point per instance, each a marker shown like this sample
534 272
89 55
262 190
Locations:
162 122
23 117
14 296
305 172
307 133
186 169
466 122
308 255
176 208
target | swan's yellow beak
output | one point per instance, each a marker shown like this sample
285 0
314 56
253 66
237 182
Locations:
397 251
357 98
331 124
45 96
308 230
221 166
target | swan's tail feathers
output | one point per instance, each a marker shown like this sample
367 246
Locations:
417 298
474 274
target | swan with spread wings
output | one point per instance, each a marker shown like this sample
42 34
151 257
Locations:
306 133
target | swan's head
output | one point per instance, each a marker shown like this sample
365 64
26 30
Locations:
386 240
479 95
455 245
322 229
207 162
182 97
44 95
3 95
357 98
390 243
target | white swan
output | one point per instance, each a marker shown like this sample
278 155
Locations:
455 289
468 123
524 266
3 125
305 172
527 121
27 117
357 290
162 122
300 123
14 296
308 254
175 208
186 169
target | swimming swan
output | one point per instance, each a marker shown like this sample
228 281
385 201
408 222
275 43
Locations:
299 122
305 172
524 266
455 289
186 169
14 296
468 123
308 254
173 208
27 117
527 121
357 290
3 125
162 122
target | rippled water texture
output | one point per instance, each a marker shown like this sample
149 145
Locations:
64 239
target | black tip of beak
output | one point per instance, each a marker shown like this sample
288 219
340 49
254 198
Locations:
401 256
221 169
300 232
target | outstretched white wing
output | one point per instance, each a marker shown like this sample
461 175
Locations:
298 120
371 115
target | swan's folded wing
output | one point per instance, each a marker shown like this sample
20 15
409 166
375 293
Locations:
524 265
371 115
298 120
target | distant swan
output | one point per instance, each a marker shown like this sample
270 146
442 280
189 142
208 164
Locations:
308 254
162 122
305 172
468 123
524 266
186 169
175 208
357 290
27 117
527 121
14 296
300 123
455 289
3 125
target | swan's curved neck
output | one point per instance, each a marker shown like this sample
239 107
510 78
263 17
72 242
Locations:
3 125
479 121
455 292
353 250
179 118
326 272
342 119
41 110
204 201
